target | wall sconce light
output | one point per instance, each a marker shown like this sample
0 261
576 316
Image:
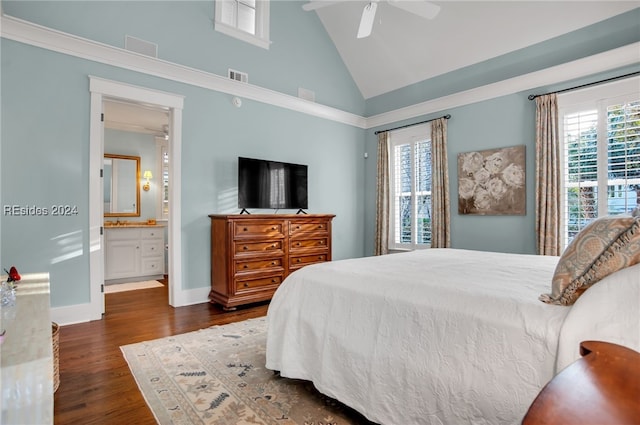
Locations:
147 175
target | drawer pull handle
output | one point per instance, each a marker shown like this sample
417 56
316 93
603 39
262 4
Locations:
321 242
245 230
320 226
274 228
274 280
245 266
246 285
273 263
297 227
298 260
245 247
298 244
320 257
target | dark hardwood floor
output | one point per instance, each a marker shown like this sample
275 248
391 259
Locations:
96 386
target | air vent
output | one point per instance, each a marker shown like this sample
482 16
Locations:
243 77
141 46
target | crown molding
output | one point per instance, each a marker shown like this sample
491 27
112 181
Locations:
612 59
36 35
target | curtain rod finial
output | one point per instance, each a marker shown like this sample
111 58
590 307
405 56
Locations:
532 96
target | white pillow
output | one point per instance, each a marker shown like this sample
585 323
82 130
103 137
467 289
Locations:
609 311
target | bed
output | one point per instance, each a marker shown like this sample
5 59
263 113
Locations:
440 336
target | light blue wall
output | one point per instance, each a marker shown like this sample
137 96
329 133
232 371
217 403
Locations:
301 53
45 128
500 122
45 140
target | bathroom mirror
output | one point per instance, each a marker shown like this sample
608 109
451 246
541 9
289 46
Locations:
121 186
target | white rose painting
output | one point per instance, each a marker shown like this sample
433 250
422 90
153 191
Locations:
492 182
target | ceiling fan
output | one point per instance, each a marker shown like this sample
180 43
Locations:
422 8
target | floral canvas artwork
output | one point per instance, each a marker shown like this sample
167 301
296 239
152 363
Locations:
492 182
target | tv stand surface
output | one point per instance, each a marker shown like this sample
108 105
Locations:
245 211
251 255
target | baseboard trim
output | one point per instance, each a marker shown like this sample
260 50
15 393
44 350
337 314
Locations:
72 314
81 313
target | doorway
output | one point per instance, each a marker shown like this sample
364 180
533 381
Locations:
136 199
106 92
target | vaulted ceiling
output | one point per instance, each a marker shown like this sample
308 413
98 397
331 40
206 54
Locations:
404 48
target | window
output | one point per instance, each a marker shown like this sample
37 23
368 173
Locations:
410 178
247 20
601 153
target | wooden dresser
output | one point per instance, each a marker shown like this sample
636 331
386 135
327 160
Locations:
252 254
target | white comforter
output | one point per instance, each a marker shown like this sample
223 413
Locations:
439 336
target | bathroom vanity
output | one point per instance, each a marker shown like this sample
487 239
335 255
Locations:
134 251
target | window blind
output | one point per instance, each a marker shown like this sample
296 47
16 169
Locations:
412 193
623 157
581 170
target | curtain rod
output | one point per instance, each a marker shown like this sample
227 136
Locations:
446 117
533 96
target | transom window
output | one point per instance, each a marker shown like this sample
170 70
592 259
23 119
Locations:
601 149
410 178
247 20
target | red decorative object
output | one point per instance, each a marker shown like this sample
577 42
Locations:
14 276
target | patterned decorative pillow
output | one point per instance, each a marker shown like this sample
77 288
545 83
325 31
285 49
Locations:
604 246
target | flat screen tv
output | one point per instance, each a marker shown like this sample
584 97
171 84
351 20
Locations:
271 184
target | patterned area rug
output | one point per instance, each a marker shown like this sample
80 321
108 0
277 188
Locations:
217 376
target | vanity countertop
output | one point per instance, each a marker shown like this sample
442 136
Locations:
129 224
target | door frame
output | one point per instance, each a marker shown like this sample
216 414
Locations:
101 89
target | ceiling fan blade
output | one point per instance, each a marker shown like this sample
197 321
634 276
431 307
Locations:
422 8
366 22
318 4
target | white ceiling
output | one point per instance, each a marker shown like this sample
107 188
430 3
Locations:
405 49
136 118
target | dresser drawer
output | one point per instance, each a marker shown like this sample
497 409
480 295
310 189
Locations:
258 282
310 243
151 248
264 247
152 233
258 229
304 260
262 264
307 227
152 266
